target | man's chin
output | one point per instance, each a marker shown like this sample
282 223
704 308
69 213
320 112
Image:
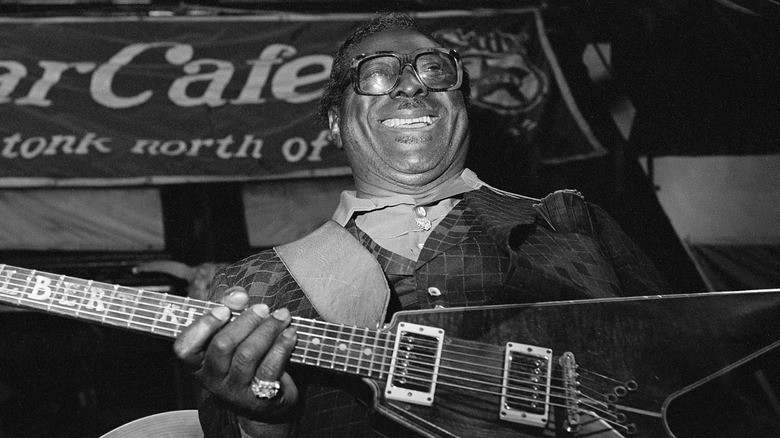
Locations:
418 176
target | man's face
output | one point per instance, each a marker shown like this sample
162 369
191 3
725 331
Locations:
407 141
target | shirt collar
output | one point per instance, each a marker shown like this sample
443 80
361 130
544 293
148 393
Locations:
349 203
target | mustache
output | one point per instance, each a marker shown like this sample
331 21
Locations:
413 103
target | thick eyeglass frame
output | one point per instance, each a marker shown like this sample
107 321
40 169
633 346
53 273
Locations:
405 59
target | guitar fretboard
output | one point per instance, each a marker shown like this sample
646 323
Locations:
338 347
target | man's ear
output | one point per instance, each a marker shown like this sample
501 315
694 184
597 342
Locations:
335 129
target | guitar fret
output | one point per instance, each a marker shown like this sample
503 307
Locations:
29 278
81 303
17 289
373 356
148 307
154 320
112 297
4 289
42 282
190 311
82 294
319 342
345 347
334 338
387 349
313 342
66 304
59 286
136 301
302 344
14 290
355 347
329 347
51 300
341 347
366 353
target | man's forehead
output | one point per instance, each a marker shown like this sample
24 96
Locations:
396 40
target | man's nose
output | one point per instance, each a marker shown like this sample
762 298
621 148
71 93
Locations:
408 84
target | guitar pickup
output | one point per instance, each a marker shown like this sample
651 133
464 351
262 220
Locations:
525 392
414 368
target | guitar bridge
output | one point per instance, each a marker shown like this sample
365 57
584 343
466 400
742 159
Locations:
525 393
414 368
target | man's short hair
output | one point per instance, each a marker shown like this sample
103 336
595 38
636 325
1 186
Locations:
339 75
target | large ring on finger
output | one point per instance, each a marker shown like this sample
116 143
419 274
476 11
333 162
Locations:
263 389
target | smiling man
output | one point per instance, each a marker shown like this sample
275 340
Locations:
403 123
419 232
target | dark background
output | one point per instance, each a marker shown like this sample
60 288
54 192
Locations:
701 74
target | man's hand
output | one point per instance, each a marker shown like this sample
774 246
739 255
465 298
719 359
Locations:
225 355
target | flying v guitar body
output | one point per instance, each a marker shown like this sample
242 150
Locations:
698 365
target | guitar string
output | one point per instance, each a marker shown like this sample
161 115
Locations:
611 417
478 350
204 305
598 404
120 292
115 292
124 302
588 374
106 314
333 357
302 357
451 357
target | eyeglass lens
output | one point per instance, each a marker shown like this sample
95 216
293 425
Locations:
379 74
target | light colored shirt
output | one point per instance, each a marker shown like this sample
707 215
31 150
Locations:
402 223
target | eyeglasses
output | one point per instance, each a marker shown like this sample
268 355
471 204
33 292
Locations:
379 73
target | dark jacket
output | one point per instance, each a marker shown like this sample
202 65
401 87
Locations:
493 248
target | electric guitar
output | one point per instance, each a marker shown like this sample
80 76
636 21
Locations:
692 365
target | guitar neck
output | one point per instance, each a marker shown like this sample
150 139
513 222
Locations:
321 344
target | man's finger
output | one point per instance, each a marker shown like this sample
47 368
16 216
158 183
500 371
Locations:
273 364
236 298
255 346
275 357
191 344
242 333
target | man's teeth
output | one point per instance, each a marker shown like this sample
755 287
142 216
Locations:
414 122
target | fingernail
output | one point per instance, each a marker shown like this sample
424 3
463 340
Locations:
289 332
281 314
234 290
222 313
261 310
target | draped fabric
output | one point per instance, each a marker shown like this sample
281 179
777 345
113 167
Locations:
726 211
738 267
81 219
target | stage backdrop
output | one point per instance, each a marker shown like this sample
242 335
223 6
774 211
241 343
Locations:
140 100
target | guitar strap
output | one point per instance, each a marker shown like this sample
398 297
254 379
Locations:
340 277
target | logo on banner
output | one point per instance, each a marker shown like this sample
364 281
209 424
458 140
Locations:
503 77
